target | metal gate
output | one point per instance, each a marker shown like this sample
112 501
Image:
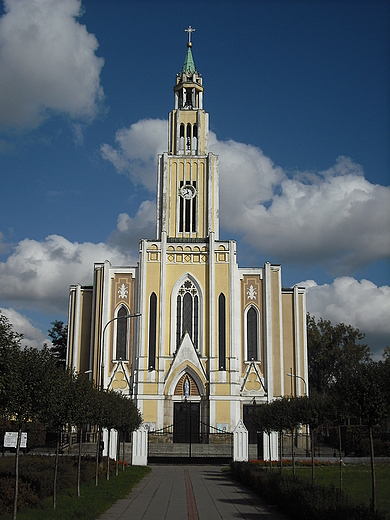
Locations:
189 440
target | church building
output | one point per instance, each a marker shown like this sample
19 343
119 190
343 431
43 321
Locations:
186 331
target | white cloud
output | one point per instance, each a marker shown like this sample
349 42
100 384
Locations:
39 273
137 150
336 217
33 337
360 304
130 230
47 63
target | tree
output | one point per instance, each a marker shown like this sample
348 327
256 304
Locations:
293 419
279 409
364 390
82 412
129 419
25 385
59 337
110 413
280 415
313 411
97 420
263 419
332 349
56 413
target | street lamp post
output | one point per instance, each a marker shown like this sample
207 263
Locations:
128 316
298 377
304 382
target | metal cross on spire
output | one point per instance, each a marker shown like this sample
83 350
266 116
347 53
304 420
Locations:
189 31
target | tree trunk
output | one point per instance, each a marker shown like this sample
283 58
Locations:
281 451
56 470
312 453
97 458
79 462
17 473
269 449
373 481
292 452
123 451
117 455
341 460
108 455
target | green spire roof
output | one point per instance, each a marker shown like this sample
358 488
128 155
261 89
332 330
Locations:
189 65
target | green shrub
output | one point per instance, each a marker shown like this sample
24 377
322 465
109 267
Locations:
36 475
26 496
298 498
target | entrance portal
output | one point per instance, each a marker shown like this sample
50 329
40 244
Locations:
254 437
186 421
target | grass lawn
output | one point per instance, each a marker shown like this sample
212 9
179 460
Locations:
93 501
356 481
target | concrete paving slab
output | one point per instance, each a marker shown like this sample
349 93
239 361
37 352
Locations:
190 493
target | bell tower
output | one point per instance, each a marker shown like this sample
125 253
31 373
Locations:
187 191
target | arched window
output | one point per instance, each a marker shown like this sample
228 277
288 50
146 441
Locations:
222 332
194 138
188 138
181 146
187 312
252 335
152 331
121 333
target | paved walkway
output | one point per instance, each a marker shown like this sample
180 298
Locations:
190 493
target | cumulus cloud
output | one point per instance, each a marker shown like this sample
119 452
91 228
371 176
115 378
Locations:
39 273
130 230
137 149
335 217
32 337
360 304
47 62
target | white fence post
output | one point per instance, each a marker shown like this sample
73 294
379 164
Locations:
240 443
139 447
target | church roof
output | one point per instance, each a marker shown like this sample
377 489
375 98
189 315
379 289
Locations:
189 65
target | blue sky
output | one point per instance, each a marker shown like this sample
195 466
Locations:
298 96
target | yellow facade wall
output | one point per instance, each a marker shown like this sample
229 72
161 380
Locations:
149 412
222 412
302 326
288 341
222 389
85 332
276 339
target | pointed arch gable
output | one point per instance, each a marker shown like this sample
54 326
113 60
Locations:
192 371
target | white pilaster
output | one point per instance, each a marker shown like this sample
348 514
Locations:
268 330
281 350
76 330
212 346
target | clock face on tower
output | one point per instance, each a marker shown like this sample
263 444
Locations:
188 191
